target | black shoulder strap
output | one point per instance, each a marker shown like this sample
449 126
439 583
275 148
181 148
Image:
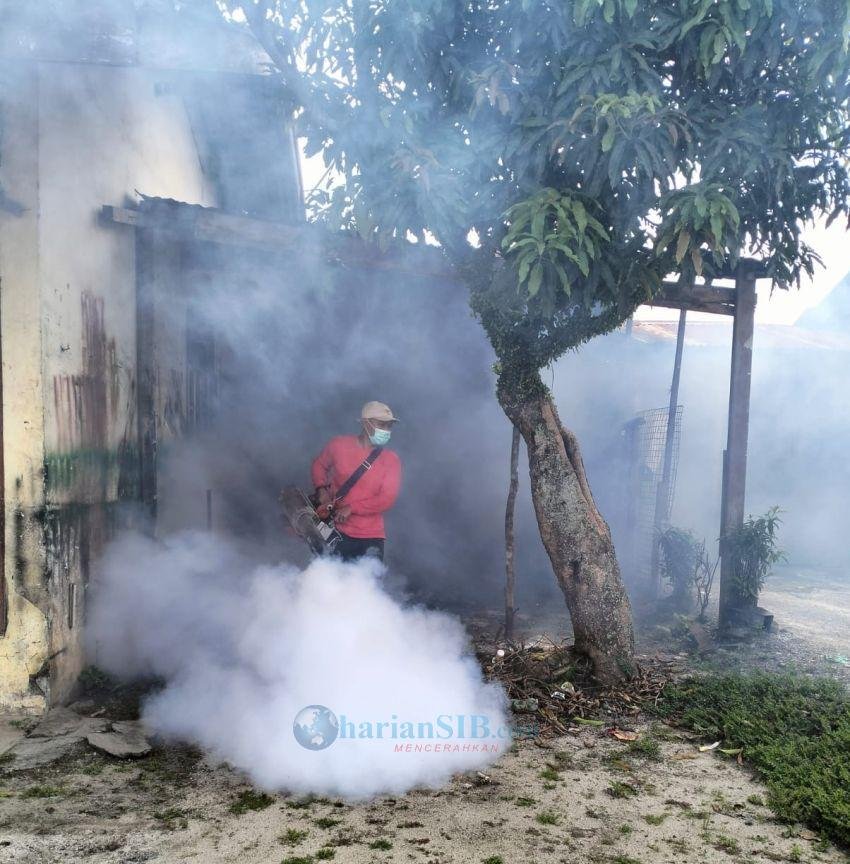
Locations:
359 471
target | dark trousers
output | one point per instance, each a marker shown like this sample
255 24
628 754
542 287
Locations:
352 548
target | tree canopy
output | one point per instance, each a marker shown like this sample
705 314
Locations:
591 146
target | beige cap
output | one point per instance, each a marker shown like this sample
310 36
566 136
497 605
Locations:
377 411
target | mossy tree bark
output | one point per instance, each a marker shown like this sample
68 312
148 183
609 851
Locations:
575 536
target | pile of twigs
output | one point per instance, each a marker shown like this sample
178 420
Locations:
550 686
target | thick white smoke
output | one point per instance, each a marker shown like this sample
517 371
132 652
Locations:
243 648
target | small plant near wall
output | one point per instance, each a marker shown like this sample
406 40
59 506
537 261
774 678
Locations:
679 554
754 550
704 573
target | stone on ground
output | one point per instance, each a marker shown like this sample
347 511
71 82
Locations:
127 740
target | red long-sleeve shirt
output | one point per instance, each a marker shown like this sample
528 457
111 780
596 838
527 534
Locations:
373 494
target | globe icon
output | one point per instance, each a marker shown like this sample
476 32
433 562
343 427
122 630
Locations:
315 727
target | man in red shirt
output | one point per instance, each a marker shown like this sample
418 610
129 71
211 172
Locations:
359 517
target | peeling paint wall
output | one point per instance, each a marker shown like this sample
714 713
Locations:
24 647
75 137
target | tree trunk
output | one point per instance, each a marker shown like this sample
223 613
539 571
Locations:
510 608
576 537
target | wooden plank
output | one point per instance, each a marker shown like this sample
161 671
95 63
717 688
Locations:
692 306
192 223
735 473
157 260
701 293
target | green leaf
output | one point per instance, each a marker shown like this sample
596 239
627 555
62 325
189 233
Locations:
608 138
719 48
581 215
696 258
538 224
562 275
717 228
682 245
535 280
525 264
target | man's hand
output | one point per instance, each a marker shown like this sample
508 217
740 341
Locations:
342 512
323 495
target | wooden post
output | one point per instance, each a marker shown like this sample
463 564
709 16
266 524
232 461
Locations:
157 260
662 496
510 608
735 470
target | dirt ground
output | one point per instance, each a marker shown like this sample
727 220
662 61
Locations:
582 797
815 606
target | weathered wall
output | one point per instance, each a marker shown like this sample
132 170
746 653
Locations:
24 647
78 137
105 132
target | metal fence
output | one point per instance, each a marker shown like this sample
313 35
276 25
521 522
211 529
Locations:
645 437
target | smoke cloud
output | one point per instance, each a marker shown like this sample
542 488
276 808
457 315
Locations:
244 647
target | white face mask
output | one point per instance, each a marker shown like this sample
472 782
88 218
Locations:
380 437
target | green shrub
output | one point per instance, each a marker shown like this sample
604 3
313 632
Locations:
794 729
752 549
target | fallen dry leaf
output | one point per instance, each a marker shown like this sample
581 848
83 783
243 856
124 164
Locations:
621 735
704 748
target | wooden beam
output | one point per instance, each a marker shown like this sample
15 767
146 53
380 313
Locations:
192 223
693 306
208 225
696 298
735 471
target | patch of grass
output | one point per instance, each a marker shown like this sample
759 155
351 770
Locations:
625 828
525 802
654 818
796 853
547 817
292 837
721 804
646 747
42 792
302 803
172 818
342 838
794 729
616 761
726 844
624 859
550 774
325 854
756 800
298 859
169 814
383 845
493 859
618 789
326 822
561 759
250 799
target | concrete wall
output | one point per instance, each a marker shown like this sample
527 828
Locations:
75 137
24 647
